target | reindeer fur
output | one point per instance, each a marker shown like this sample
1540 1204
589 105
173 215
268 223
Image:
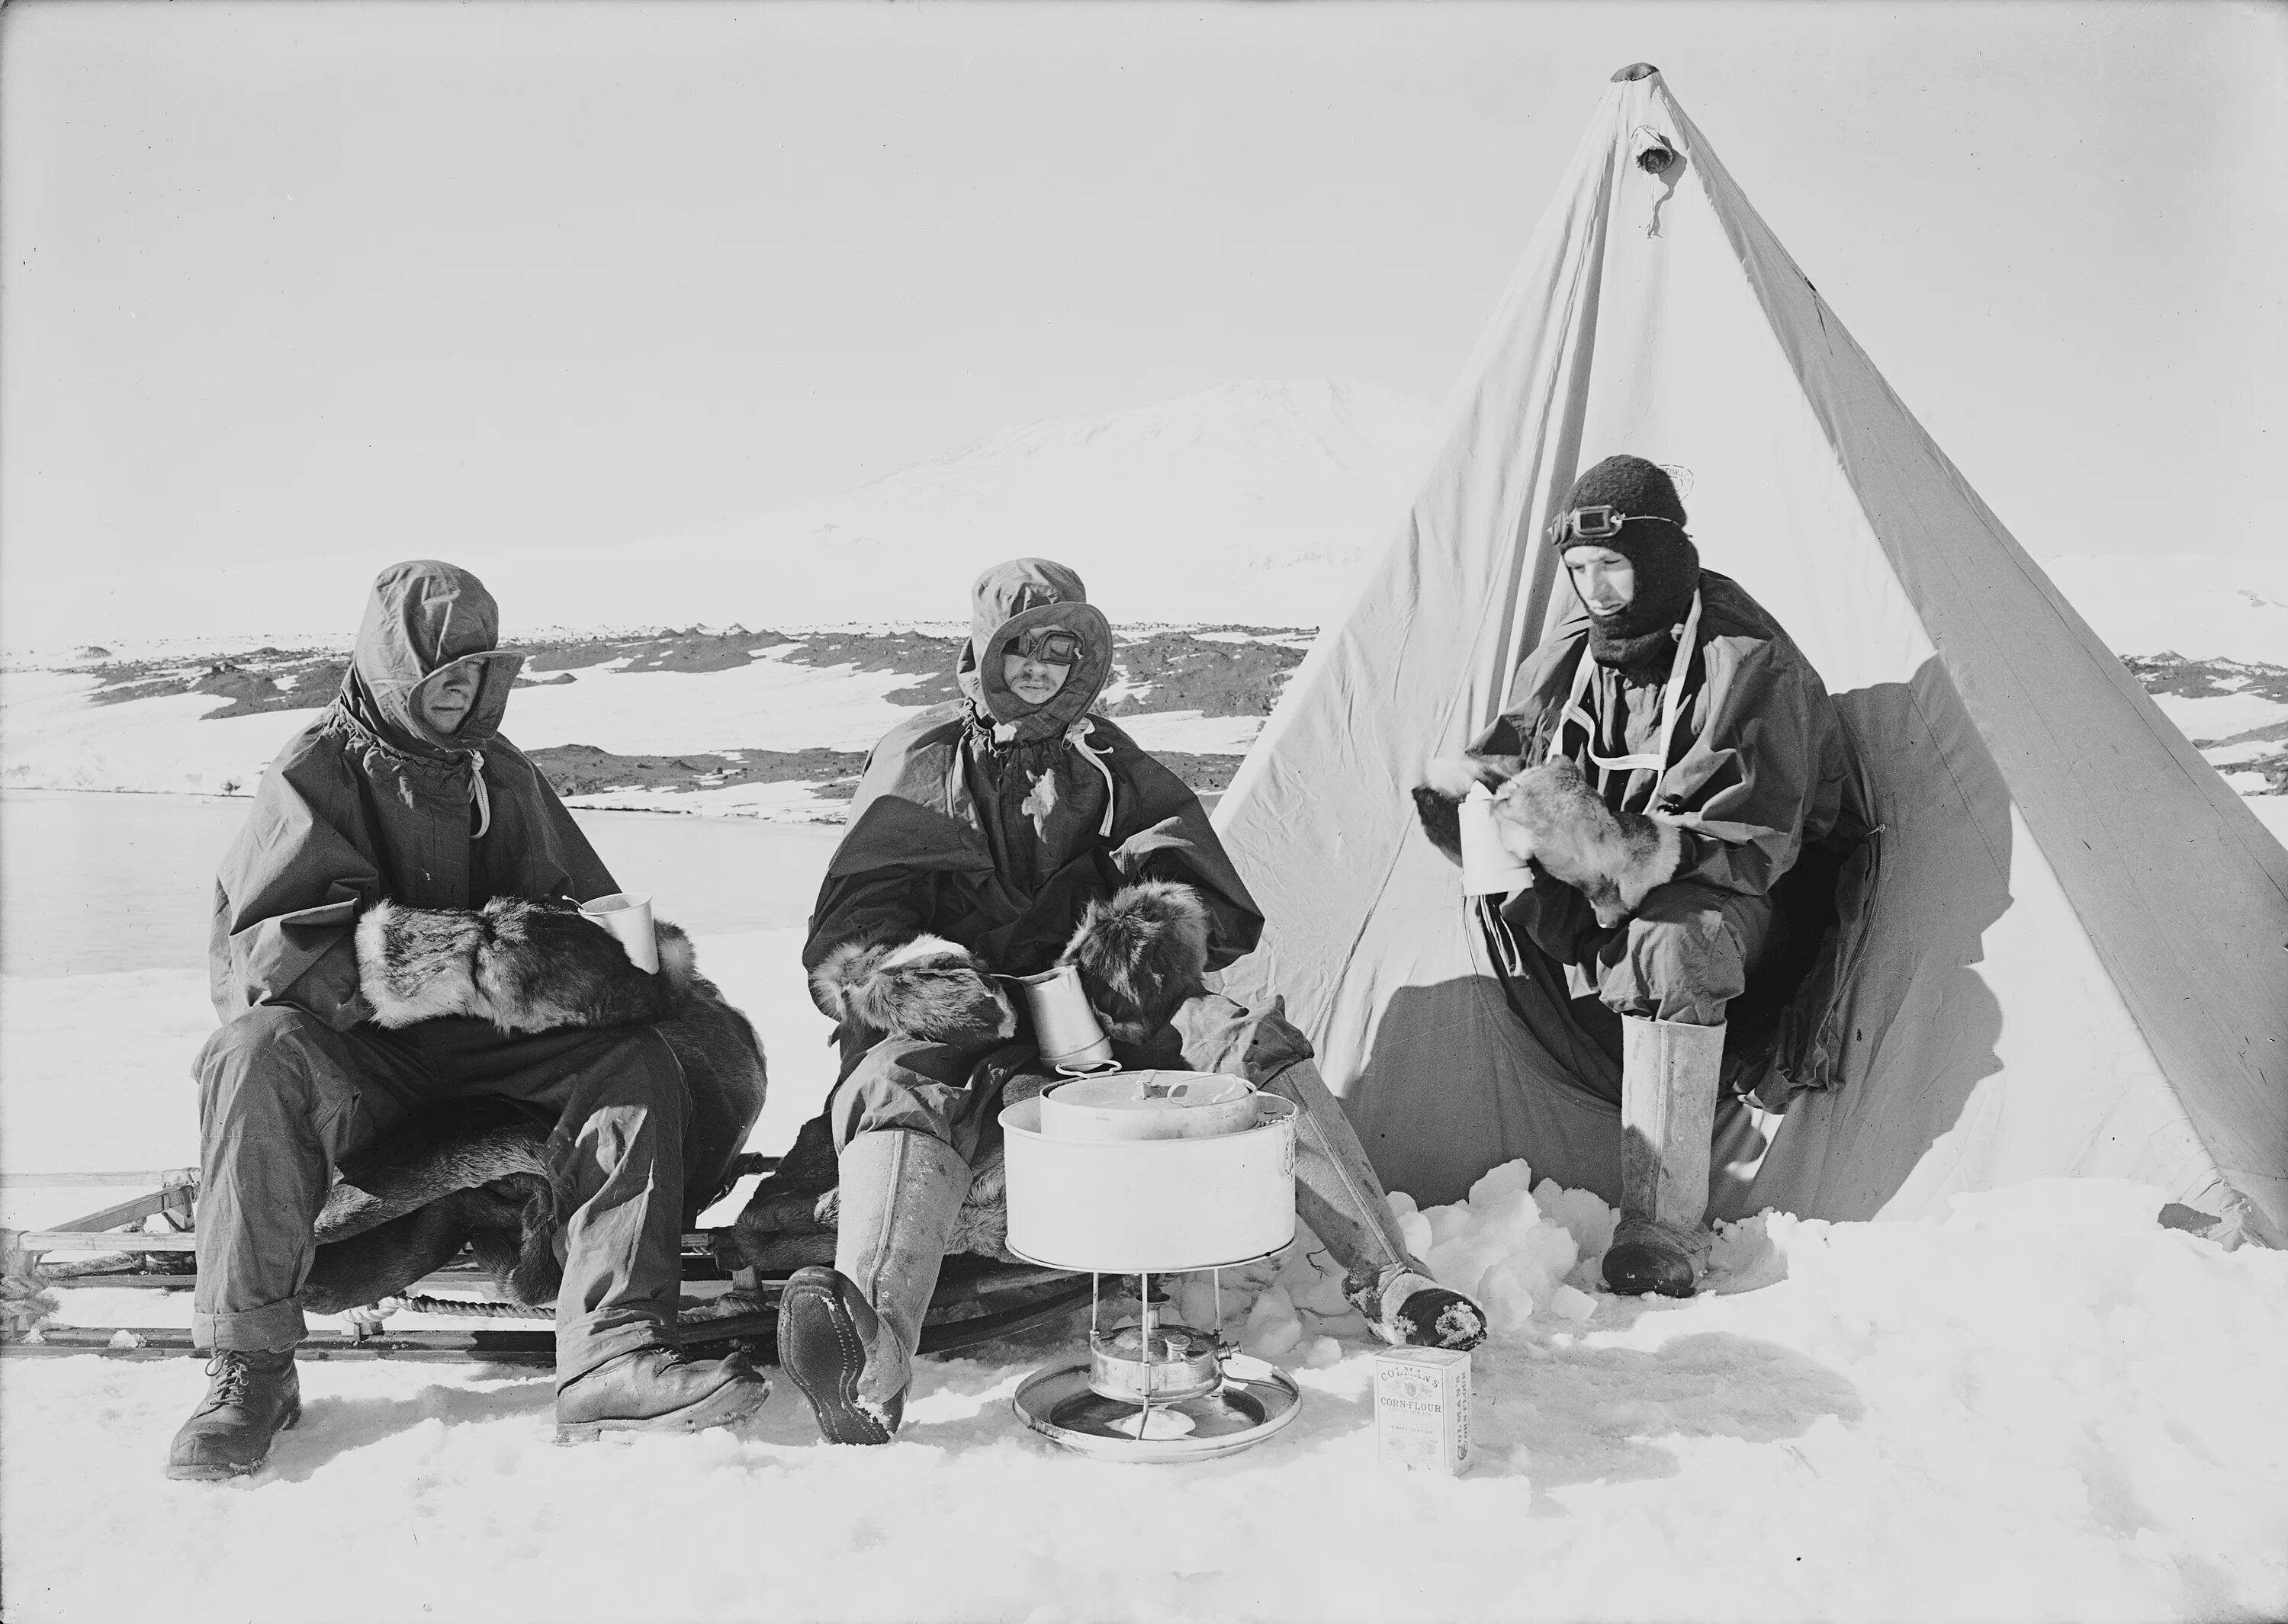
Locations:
928 988
525 965
1140 955
477 1173
1549 816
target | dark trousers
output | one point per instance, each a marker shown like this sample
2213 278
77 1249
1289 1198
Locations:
1683 956
901 1084
282 1097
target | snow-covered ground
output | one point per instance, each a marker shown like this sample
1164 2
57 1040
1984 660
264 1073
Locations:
2045 1407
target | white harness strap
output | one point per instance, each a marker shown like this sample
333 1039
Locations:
1671 697
477 793
1076 735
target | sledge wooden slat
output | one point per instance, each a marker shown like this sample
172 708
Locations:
528 1347
131 1210
170 1178
95 1240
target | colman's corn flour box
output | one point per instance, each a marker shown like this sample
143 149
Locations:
1422 1407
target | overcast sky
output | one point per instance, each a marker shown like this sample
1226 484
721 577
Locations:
388 279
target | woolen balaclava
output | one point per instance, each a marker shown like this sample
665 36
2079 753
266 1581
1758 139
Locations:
1641 632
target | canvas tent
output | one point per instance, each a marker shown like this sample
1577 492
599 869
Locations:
2074 958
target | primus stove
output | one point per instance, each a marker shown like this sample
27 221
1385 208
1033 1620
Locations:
1146 1173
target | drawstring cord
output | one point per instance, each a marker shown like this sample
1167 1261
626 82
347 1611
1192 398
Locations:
1076 735
477 793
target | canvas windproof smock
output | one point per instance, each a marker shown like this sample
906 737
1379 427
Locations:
1739 741
995 824
369 801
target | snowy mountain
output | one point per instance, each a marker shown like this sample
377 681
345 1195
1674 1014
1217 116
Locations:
1254 502
1251 503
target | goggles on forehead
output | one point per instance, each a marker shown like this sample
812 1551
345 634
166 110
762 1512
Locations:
1051 644
1600 521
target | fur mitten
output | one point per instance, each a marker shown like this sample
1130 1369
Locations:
1549 815
1140 955
928 988
1450 779
525 965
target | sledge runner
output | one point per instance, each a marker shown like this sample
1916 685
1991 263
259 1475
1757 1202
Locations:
1716 756
391 932
1006 832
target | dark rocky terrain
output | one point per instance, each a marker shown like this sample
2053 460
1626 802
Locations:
1156 671
2168 673
1217 671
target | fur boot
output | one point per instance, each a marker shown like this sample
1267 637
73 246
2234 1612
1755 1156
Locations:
1141 955
525 965
1548 815
1407 1309
928 988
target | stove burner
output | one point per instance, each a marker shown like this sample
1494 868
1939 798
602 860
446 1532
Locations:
1255 1400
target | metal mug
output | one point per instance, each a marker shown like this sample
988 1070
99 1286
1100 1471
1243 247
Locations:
1064 1027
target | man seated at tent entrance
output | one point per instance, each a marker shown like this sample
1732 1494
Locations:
1002 834
1666 756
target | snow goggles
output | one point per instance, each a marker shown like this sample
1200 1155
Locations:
1052 644
1600 521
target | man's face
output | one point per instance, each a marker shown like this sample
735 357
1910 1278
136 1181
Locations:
1035 681
444 700
1606 580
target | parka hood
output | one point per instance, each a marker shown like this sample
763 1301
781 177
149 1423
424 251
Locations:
1009 600
423 616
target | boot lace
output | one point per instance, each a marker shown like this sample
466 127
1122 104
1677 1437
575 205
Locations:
228 1375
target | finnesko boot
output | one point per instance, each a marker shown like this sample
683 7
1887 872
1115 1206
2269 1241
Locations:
252 1397
847 1335
657 1389
1404 1307
1668 1110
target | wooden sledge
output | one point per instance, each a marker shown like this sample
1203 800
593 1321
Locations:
724 1305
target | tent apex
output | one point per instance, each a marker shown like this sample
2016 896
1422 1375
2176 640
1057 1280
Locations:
1634 70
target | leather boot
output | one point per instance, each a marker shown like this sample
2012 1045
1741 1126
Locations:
1668 1111
657 1389
847 1335
251 1398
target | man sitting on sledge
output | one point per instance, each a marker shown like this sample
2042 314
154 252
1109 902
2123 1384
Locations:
1004 833
391 933
1673 751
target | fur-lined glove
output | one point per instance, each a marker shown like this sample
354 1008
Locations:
928 987
1550 816
525 965
1437 803
1140 955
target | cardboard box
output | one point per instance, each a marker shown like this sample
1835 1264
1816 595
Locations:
1422 1408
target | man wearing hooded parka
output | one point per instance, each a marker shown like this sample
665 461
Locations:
400 858
1002 834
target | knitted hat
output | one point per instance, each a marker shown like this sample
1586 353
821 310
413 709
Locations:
1654 540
